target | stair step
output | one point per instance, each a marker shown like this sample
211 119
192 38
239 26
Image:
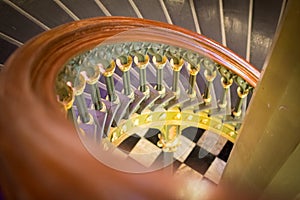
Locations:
118 82
100 117
192 102
231 119
123 108
223 111
112 109
161 102
135 104
95 130
153 96
183 97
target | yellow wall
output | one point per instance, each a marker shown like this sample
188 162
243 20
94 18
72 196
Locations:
266 155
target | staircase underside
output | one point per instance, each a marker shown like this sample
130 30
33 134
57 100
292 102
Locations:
247 27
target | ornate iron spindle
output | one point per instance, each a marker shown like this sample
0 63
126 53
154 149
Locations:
242 91
159 62
65 95
193 70
210 74
176 66
110 87
226 81
92 75
142 61
79 99
124 64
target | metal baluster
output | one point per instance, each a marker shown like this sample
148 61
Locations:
192 79
92 75
79 86
142 61
124 64
65 95
242 91
226 81
110 87
210 74
159 62
176 66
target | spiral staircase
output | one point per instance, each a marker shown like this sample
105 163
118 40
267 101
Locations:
245 27
125 81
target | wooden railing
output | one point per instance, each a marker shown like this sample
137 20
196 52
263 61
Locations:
40 147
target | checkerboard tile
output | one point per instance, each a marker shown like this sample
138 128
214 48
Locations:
197 186
192 133
128 144
212 142
142 132
224 154
199 159
145 152
184 149
215 170
152 135
202 154
120 154
165 159
187 171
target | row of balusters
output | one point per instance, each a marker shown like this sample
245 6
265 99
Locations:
84 70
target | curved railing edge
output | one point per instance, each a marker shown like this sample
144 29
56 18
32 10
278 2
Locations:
55 47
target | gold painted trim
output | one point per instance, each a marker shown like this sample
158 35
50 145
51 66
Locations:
160 119
143 64
160 65
177 67
125 67
110 70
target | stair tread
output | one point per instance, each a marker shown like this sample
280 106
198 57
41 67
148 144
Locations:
153 96
124 106
169 95
138 98
112 109
208 12
236 25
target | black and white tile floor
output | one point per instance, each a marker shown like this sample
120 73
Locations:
201 154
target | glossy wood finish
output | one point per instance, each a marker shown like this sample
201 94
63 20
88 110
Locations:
85 34
40 151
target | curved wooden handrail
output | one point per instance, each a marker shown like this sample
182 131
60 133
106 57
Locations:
44 55
38 148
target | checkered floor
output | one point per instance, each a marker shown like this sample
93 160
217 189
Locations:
201 154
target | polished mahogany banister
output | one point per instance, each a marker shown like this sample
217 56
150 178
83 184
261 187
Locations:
35 136
44 55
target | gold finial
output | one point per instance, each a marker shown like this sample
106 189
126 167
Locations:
193 69
141 64
110 70
124 67
177 67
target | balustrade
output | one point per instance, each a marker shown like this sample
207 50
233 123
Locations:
146 96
